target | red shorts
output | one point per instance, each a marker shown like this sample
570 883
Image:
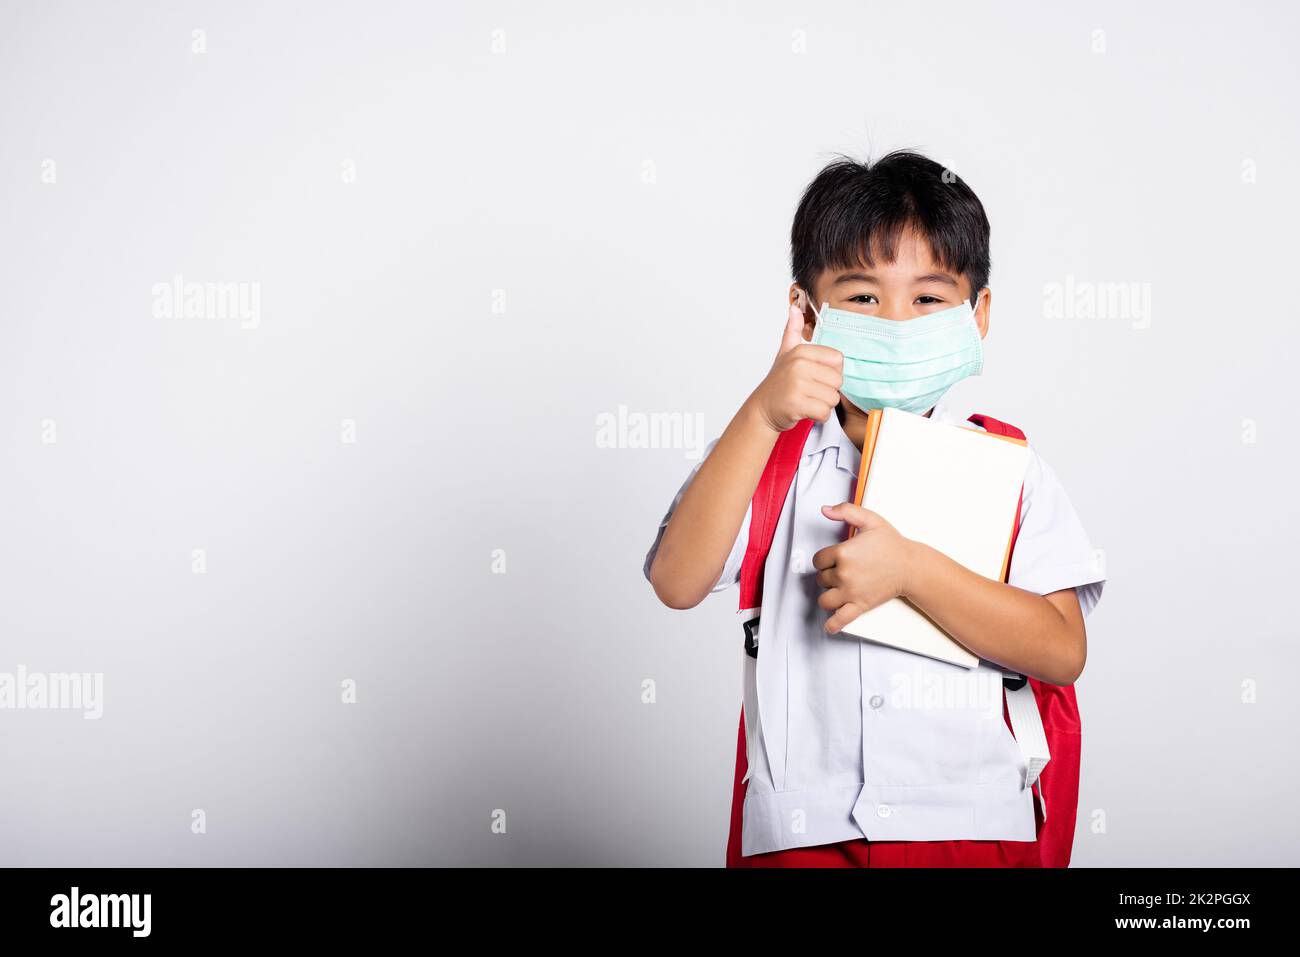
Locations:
864 853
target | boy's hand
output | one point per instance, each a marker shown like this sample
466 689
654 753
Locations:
866 570
804 382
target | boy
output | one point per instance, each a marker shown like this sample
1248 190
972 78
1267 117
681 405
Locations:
847 758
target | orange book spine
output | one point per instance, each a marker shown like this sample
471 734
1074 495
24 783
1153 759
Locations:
868 449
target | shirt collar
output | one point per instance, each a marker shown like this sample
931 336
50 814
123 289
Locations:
830 434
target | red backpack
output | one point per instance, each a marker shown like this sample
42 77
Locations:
1058 782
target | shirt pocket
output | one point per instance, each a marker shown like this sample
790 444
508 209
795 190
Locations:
930 729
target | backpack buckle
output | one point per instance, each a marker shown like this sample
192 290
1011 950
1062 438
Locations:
751 637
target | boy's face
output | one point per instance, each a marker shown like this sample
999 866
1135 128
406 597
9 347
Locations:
914 284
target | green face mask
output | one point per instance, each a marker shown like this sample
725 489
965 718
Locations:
903 364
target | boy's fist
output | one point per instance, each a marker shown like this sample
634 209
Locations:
804 382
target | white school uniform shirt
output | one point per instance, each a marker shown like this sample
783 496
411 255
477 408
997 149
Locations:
849 739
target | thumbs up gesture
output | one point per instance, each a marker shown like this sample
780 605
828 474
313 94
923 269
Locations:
804 381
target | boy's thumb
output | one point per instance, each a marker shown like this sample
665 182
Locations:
793 334
855 515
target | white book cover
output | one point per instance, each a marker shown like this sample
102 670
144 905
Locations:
953 488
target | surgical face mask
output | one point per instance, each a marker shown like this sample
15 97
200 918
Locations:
903 364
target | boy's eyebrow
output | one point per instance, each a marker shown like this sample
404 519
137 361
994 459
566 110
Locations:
944 278
937 277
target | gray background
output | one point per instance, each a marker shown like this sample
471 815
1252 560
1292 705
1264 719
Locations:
526 171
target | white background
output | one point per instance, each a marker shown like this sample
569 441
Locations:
625 176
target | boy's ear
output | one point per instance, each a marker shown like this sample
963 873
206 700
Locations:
983 305
800 298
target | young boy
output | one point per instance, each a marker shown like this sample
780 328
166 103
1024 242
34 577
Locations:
847 758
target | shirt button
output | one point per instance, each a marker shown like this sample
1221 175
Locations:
883 810
876 701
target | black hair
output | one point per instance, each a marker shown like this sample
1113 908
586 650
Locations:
853 211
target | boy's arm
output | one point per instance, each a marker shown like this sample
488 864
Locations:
1042 636
802 384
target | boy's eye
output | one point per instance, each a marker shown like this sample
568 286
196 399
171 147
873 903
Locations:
864 299
926 300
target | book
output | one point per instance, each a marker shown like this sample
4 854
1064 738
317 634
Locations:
954 488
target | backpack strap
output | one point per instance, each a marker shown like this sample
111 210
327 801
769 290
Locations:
765 512
996 426
1022 707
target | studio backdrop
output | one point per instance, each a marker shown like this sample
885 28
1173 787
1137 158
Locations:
351 353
